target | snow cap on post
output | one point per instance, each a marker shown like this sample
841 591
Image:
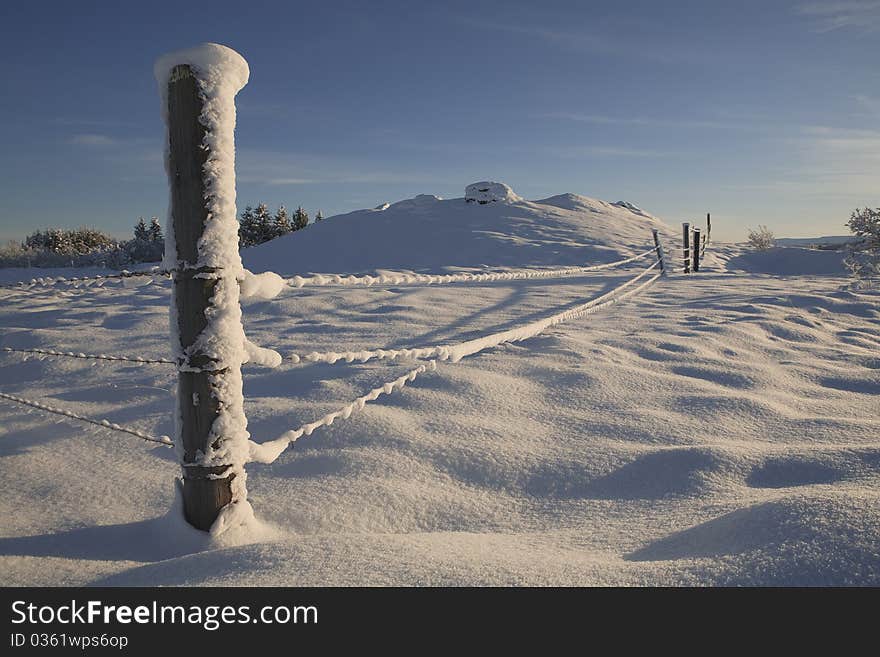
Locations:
215 62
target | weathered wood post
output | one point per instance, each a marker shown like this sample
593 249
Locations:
686 242
708 234
198 88
659 248
696 249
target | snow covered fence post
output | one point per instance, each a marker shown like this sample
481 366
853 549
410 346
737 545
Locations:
686 242
696 249
198 88
659 248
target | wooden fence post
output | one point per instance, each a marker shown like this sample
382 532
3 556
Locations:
659 248
205 488
686 241
696 249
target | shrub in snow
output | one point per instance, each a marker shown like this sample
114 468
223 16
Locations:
489 192
148 244
762 238
863 256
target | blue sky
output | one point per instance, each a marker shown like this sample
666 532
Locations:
760 112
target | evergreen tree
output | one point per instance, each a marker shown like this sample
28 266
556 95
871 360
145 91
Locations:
300 219
319 216
148 244
281 223
140 230
247 228
155 231
263 223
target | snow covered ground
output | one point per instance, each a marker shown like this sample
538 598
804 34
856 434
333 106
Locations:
718 428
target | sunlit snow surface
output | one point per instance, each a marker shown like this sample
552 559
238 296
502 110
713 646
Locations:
719 428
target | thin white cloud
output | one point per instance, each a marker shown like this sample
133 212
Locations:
830 15
606 151
598 119
869 103
585 39
291 181
826 163
279 169
92 139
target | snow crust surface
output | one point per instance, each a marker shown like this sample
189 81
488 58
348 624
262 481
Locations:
718 428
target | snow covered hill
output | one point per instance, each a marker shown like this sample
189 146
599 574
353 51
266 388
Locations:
717 428
428 234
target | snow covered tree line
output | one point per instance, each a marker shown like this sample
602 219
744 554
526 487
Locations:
258 225
85 247
89 247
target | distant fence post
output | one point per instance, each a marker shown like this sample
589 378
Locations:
659 248
686 242
204 385
696 249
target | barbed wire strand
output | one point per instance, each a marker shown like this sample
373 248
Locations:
50 281
104 424
441 352
323 280
269 451
403 278
71 354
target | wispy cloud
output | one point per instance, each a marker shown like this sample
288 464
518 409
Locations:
92 139
857 150
598 119
347 177
588 39
871 104
826 163
862 15
279 169
606 151
291 181
91 123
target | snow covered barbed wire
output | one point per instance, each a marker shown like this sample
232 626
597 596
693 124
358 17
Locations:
456 352
72 354
268 284
50 281
407 278
104 424
256 355
269 451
